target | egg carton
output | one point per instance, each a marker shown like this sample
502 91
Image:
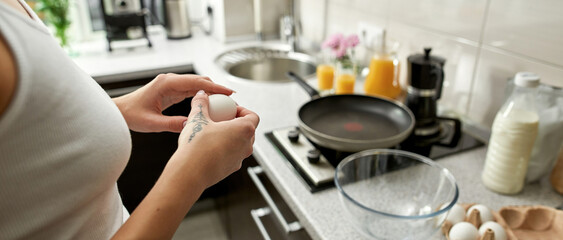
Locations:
533 222
519 222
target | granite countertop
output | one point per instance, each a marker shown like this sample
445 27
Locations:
277 104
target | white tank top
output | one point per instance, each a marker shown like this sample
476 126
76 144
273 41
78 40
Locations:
63 143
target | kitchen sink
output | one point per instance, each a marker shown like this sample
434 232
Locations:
266 63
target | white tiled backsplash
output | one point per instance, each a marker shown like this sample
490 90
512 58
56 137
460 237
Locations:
234 19
485 42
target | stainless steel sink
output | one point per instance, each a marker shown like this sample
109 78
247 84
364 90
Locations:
266 63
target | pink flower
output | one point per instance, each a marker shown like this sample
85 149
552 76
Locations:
340 44
341 51
352 40
334 41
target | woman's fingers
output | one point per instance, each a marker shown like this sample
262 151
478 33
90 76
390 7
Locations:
189 84
200 107
199 115
247 114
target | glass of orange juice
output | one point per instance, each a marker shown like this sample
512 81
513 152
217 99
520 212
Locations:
325 78
345 77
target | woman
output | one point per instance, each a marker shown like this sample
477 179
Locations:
59 160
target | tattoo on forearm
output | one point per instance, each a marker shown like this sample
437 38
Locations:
199 121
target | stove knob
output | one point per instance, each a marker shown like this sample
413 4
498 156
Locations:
314 156
293 135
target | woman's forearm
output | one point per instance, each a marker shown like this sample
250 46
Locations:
160 213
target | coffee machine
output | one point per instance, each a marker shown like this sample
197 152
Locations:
124 20
426 77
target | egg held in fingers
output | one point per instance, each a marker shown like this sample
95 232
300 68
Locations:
222 108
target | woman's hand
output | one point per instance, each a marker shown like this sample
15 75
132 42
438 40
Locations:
219 147
142 109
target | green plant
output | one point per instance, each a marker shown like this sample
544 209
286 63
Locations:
56 13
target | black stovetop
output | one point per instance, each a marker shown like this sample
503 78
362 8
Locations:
303 168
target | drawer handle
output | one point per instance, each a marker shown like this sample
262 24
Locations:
256 215
288 227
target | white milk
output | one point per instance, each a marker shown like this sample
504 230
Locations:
510 147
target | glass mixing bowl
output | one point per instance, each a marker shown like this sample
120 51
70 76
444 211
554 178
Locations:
393 194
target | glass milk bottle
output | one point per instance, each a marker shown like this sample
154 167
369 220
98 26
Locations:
513 135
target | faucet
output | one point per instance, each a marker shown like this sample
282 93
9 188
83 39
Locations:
289 25
287 32
258 19
289 28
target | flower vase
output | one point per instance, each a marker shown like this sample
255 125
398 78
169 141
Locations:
342 48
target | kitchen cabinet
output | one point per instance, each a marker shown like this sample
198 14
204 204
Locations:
241 197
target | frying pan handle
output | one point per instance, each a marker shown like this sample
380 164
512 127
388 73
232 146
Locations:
310 90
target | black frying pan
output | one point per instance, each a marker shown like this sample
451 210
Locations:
352 123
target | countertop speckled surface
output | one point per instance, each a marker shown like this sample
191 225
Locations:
277 104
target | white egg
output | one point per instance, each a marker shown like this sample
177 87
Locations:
456 214
464 231
500 233
222 107
485 212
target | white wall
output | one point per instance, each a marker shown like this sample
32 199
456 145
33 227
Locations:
485 42
234 19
